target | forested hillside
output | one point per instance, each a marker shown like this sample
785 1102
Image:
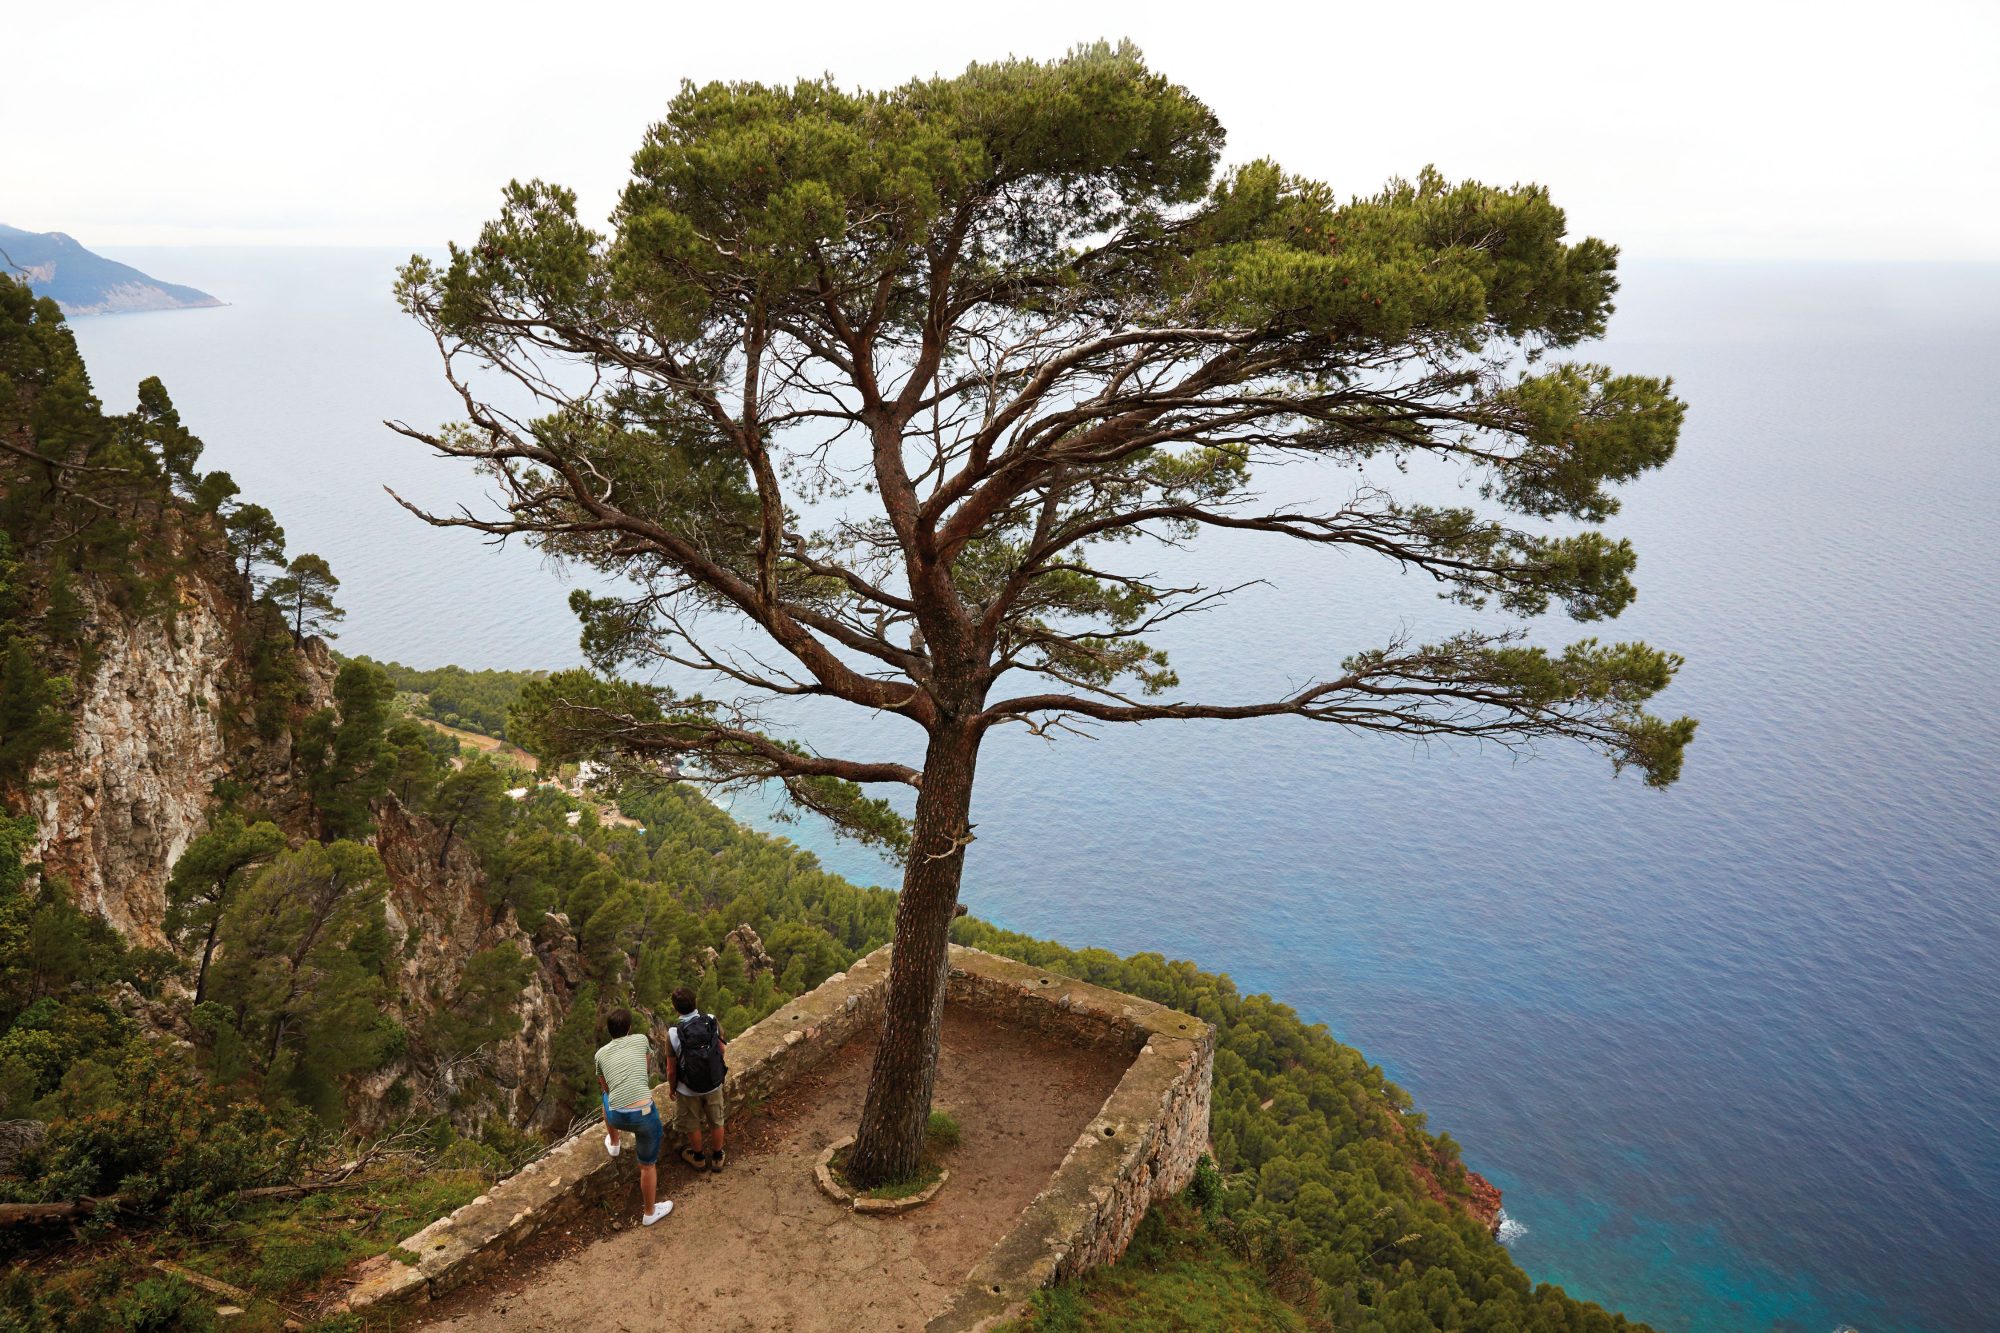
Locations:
370 981
469 700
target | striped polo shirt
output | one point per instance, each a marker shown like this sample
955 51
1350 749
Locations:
625 1065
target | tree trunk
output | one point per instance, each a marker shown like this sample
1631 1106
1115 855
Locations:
890 1141
207 952
444 848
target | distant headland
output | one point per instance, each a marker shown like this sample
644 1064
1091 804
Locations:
82 283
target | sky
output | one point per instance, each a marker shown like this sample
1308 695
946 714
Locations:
1751 130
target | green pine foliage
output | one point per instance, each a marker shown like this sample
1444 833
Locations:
160 1136
303 594
480 1009
206 878
298 991
471 807
344 750
1175 1276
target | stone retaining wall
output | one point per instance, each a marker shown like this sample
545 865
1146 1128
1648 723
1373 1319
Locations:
1141 1146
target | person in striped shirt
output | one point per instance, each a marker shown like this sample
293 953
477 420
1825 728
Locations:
625 1068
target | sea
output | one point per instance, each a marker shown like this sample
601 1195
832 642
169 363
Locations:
1731 1049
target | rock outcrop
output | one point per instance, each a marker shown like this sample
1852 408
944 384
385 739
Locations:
1481 1202
749 947
438 917
1484 1202
161 718
165 714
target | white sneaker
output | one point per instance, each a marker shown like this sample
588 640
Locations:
611 1144
660 1210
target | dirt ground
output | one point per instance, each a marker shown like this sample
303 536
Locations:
757 1248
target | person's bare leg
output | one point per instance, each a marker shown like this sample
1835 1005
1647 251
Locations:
648 1188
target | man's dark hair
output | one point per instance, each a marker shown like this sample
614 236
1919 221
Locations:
618 1022
684 1000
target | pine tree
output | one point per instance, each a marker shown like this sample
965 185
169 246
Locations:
572 1063
212 869
257 543
994 333
304 592
471 806
301 970
159 425
419 756
480 1009
344 751
33 702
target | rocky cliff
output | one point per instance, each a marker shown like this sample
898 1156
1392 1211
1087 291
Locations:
163 715
161 718
1481 1201
439 917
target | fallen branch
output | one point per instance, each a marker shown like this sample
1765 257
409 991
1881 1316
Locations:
27 1214
223 1289
35 1214
399 1144
204 1281
293 1191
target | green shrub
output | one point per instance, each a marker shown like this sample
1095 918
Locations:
165 1304
172 1139
1204 1191
472 1155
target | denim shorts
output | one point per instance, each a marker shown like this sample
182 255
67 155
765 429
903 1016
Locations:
642 1125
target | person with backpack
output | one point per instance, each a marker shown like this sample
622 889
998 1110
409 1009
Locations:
696 1072
625 1076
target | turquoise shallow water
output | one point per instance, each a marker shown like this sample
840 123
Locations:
1729 1049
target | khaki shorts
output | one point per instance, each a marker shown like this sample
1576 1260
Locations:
696 1111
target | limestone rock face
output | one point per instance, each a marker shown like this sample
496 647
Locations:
153 735
749 947
747 942
166 712
438 917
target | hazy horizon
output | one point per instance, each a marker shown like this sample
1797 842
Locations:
1700 131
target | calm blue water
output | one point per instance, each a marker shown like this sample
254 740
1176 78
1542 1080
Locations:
1729 1049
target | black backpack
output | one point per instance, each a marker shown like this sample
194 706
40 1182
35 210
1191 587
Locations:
699 1060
